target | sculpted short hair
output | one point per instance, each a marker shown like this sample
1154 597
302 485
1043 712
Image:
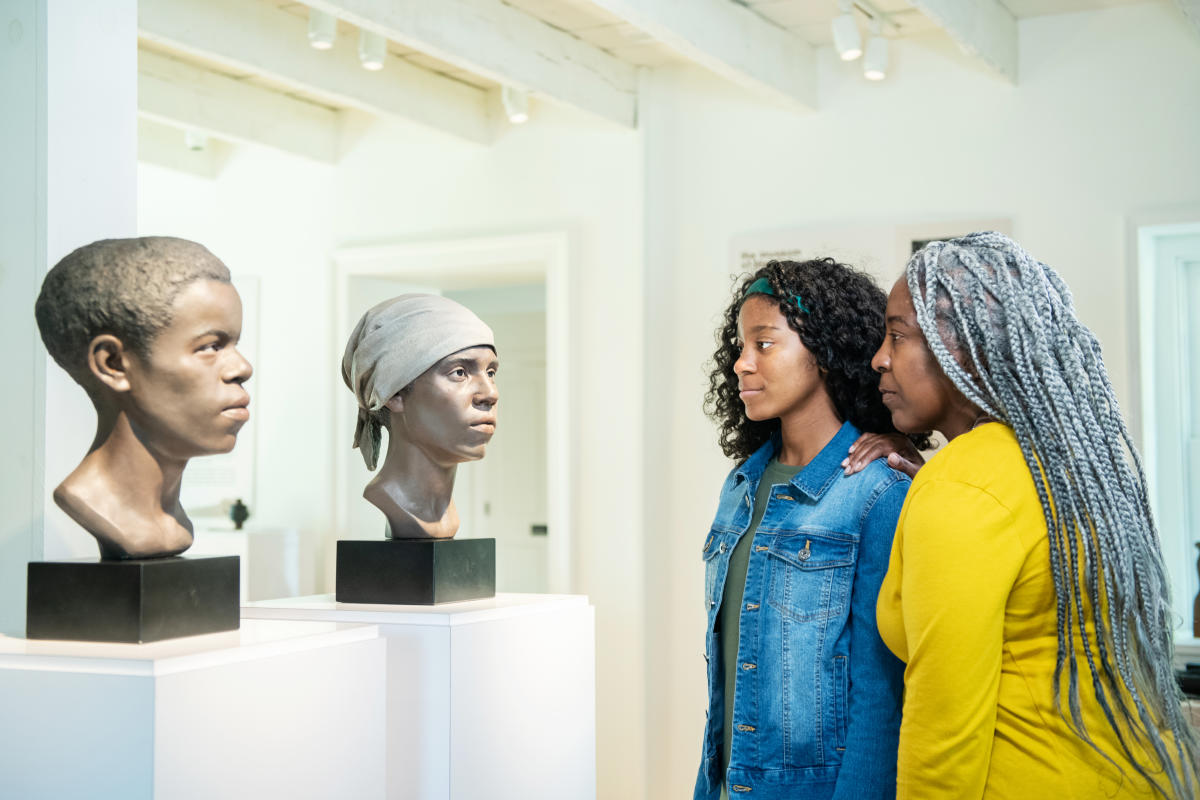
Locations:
123 287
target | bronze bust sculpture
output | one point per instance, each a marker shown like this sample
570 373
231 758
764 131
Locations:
149 328
422 367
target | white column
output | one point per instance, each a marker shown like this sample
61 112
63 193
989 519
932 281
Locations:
68 176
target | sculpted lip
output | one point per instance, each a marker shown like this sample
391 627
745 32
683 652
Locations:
239 410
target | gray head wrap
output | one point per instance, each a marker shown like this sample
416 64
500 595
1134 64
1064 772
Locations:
393 344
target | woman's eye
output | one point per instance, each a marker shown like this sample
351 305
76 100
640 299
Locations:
764 345
459 373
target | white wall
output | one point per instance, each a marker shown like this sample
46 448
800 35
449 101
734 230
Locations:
280 218
1105 121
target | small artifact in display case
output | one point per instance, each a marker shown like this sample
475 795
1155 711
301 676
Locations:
423 368
148 327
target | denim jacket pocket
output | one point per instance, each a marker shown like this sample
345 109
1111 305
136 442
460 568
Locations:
712 548
811 573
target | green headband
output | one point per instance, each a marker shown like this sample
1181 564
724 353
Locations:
763 286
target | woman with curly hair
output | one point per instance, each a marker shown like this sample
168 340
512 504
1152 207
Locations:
1026 591
804 698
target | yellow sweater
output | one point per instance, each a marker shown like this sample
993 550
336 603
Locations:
968 604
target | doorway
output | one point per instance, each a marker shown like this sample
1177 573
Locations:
1169 298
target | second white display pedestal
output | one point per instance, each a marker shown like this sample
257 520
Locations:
485 699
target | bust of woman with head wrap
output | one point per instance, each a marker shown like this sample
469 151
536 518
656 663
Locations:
424 368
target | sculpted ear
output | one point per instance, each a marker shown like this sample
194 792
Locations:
108 360
395 404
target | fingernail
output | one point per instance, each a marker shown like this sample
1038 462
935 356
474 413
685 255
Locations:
845 462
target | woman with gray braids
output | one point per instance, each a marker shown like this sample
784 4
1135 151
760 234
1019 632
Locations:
1026 590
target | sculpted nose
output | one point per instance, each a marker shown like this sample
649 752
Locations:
239 370
488 394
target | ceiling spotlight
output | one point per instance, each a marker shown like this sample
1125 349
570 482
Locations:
516 104
875 64
371 50
322 29
846 37
195 140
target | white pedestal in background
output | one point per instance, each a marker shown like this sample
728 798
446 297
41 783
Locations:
487 699
275 709
270 557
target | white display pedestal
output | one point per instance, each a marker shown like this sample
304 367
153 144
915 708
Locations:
486 699
275 709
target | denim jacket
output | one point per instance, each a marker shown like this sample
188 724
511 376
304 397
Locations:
817 699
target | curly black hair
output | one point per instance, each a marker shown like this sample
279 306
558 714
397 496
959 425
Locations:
842 327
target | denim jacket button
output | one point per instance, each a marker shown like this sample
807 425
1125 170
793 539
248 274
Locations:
721 549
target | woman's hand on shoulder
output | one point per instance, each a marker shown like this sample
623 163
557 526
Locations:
895 447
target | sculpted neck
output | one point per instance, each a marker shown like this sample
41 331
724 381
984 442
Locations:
415 492
126 494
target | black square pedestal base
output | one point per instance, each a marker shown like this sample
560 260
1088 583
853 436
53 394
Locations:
140 600
415 571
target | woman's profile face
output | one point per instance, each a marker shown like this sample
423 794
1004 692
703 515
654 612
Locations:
777 375
915 389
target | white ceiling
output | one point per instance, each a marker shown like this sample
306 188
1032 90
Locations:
583 51
810 20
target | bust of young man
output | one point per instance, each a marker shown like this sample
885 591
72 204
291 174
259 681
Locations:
149 328
422 367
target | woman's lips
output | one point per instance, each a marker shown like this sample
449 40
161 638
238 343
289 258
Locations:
745 393
484 427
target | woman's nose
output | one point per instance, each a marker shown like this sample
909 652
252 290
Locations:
743 365
882 360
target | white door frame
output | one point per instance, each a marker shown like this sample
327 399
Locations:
1145 231
523 257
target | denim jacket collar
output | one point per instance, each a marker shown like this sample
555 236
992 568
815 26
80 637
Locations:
816 477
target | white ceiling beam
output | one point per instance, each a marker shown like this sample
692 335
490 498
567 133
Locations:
732 41
495 40
982 28
265 41
165 146
183 95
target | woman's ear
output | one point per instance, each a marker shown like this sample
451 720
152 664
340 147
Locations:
395 403
108 360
